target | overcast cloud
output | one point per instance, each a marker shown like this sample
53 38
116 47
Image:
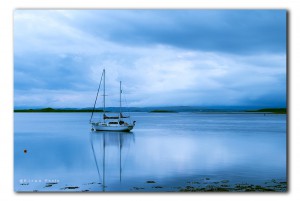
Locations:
163 57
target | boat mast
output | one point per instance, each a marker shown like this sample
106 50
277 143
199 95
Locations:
120 100
104 94
96 98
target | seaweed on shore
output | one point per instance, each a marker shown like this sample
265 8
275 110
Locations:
50 184
274 186
70 187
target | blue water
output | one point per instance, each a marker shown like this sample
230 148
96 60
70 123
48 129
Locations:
165 151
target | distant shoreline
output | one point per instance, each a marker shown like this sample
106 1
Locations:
56 110
270 110
211 111
163 111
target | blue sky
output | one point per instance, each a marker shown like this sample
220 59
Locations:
163 57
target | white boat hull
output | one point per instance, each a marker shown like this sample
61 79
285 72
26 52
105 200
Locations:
125 128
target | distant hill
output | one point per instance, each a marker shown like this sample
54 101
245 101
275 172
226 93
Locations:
270 110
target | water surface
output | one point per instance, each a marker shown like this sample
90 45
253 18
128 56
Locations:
164 152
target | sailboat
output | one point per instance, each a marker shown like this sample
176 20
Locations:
111 123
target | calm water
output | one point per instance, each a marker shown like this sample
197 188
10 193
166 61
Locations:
164 151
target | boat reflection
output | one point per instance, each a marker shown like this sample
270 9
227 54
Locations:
110 150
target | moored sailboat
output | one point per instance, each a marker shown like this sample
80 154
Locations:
111 123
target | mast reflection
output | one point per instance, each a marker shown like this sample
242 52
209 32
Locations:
110 150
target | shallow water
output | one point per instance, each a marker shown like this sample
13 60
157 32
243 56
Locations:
165 151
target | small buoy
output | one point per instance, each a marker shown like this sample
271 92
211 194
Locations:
25 151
